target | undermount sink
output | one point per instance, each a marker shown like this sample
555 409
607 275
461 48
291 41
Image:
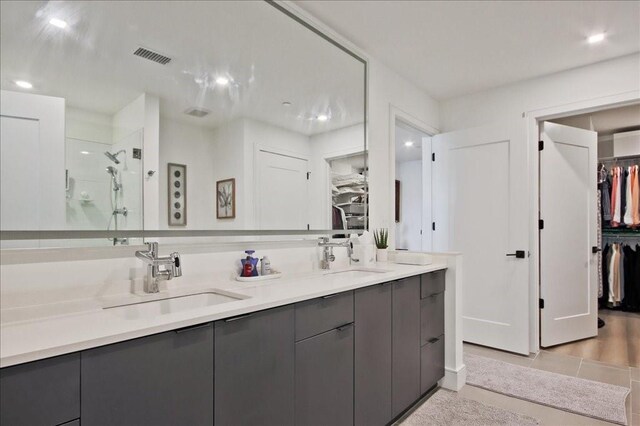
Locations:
357 272
152 308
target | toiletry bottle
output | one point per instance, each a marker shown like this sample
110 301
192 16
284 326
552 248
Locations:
265 266
253 261
247 268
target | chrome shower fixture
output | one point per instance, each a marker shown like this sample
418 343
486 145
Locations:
114 173
114 157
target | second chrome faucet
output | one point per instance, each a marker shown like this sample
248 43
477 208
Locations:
159 268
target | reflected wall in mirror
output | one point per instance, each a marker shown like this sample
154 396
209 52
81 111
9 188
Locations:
94 110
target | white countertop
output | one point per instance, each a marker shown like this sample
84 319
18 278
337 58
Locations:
49 330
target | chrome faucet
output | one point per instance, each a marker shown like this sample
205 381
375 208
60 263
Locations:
159 268
327 253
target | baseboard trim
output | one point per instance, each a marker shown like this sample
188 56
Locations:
454 380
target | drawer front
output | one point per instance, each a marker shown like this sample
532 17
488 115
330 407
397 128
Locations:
431 364
431 317
323 314
432 283
43 392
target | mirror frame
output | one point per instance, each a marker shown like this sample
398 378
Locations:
14 235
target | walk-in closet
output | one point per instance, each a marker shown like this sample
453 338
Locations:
618 234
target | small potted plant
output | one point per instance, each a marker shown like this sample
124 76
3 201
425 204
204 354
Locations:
381 237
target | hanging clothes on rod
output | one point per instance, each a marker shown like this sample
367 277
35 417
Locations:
619 185
621 273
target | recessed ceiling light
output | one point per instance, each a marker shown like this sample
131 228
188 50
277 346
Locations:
85 152
286 104
408 143
322 117
24 84
222 81
58 23
596 38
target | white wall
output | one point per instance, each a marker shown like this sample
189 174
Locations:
594 81
88 126
193 146
386 89
514 104
408 236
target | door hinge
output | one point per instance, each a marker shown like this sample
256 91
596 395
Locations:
308 174
433 156
541 303
308 227
540 145
541 224
433 226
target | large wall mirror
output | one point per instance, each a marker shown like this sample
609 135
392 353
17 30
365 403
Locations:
176 116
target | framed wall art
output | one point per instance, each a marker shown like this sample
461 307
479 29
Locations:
226 199
177 194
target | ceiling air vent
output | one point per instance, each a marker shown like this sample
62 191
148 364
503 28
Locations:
197 112
152 56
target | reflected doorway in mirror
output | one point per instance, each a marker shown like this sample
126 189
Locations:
226 199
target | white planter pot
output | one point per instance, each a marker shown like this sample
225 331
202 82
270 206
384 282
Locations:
382 255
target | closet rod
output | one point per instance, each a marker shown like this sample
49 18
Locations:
620 158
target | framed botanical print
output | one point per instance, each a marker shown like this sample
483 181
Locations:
226 199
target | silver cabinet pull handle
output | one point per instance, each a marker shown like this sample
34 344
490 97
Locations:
237 318
193 327
329 296
344 326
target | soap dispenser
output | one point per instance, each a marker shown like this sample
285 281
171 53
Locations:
249 264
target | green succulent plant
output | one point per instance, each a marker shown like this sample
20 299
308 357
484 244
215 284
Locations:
381 237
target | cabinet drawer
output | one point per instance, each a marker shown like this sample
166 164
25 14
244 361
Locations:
43 392
432 283
323 314
431 317
431 364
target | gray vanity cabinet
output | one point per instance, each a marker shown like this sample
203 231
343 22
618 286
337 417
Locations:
405 387
164 379
324 378
43 392
372 402
254 369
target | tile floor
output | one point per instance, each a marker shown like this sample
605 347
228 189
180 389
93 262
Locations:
618 342
562 364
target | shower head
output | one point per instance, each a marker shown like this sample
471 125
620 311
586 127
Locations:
111 157
114 157
112 170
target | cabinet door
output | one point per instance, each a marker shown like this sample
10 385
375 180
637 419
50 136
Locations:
372 404
406 344
254 382
43 392
324 378
164 379
432 364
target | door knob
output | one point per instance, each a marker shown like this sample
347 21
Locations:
519 254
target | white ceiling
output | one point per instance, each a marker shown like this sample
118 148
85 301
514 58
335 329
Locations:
606 122
270 57
451 48
405 133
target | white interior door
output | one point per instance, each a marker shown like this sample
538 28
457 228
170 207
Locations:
568 206
282 192
481 210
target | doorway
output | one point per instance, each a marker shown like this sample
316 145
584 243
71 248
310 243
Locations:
613 253
412 201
